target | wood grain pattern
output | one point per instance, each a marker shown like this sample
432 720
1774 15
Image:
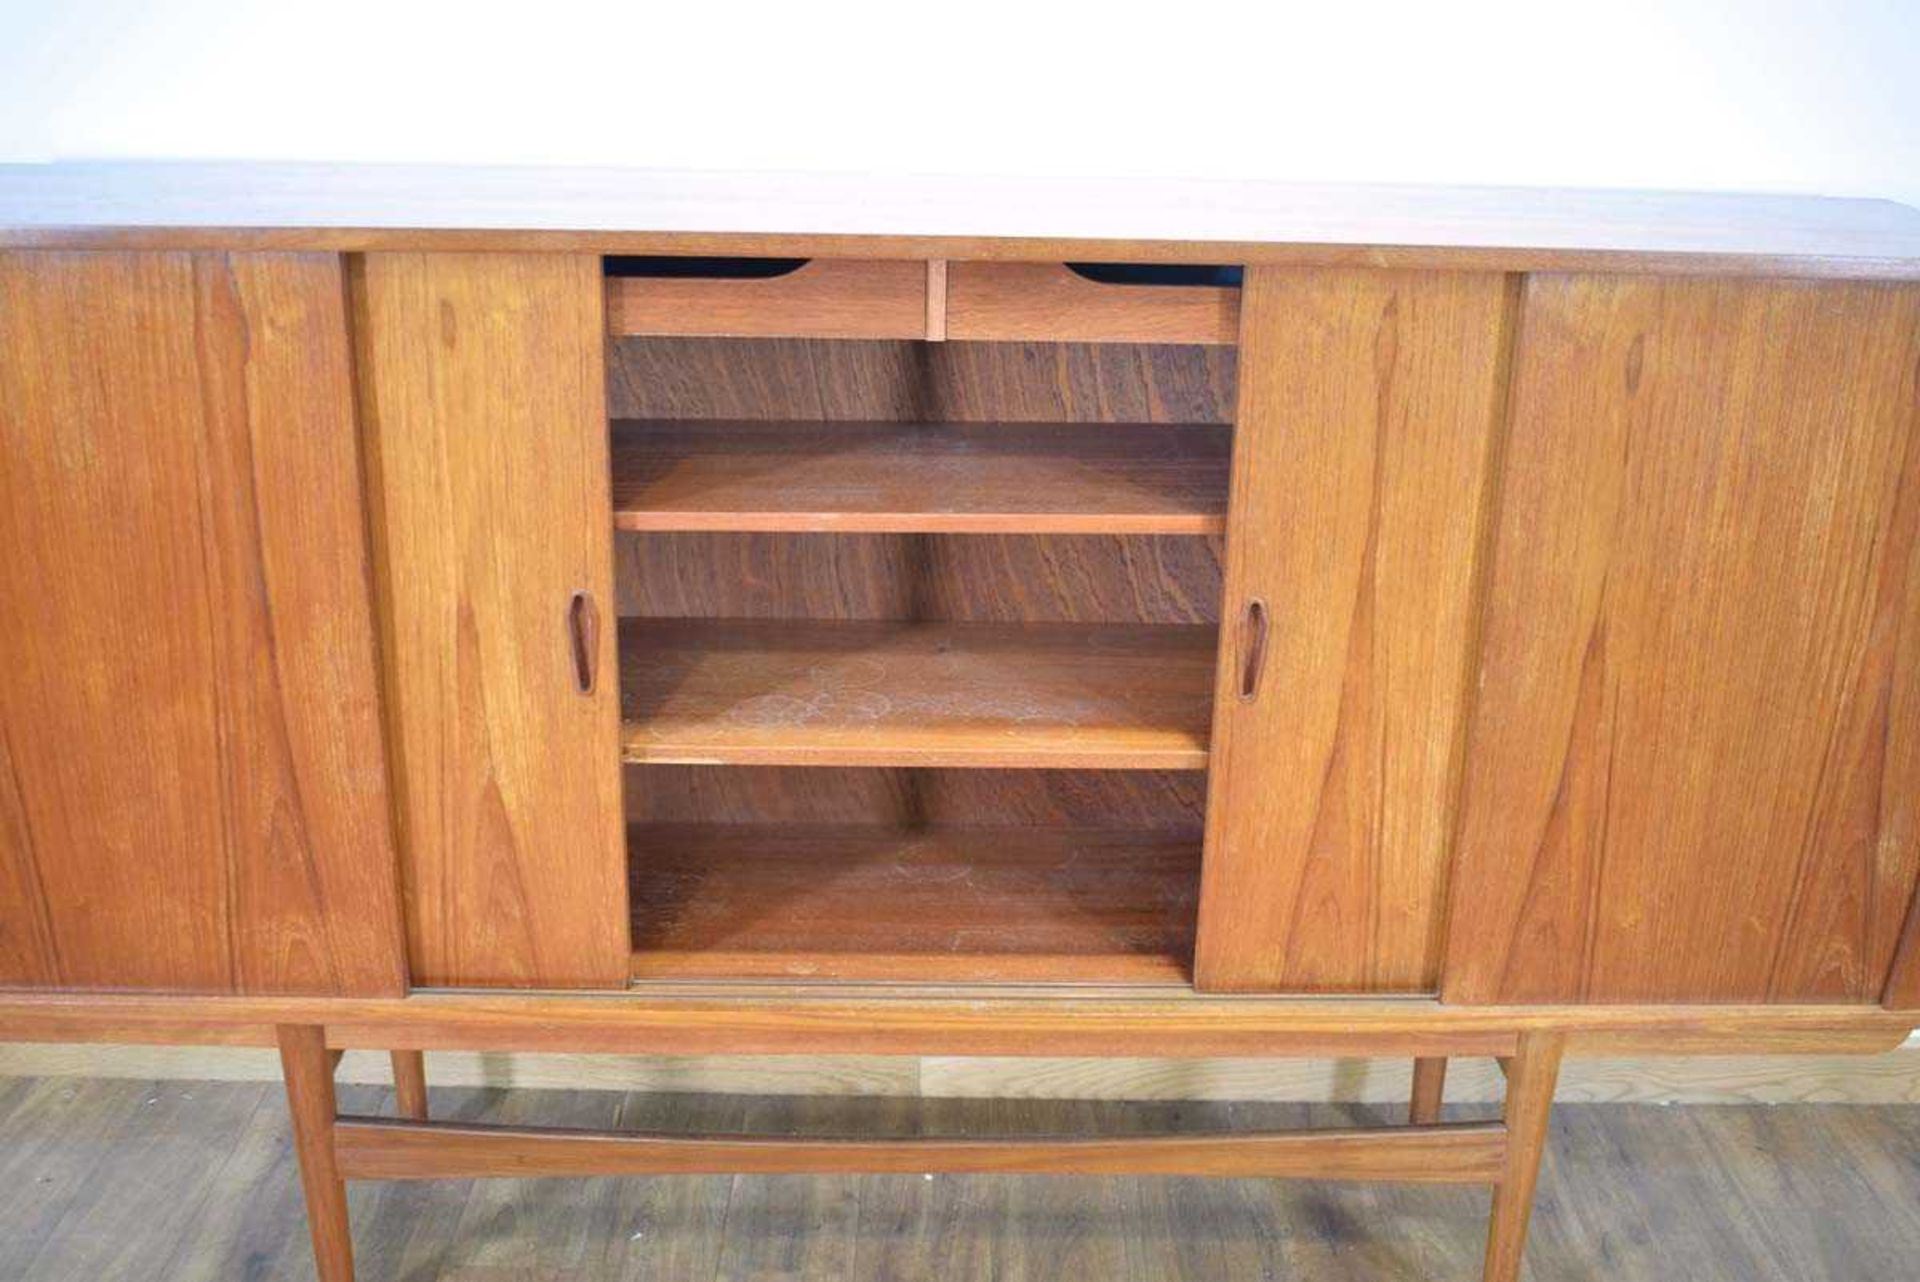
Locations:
1034 1022
853 381
936 300
1859 261
1048 302
483 396
816 962
1166 801
365 208
925 478
311 1108
193 788
1532 1073
377 1149
995 1019
1694 766
1428 1091
791 692
824 298
1002 578
721 901
409 1083
1367 407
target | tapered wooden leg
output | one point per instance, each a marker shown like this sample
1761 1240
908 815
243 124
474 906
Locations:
1429 1085
410 1084
308 1070
1531 1075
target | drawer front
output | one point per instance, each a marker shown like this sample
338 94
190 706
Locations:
817 298
1054 303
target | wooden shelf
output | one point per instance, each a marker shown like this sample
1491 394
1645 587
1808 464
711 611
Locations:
799 693
935 478
943 905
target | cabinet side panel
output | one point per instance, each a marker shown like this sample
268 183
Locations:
195 793
1368 404
483 398
1694 765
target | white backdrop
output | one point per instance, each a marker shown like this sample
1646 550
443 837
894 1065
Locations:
1710 94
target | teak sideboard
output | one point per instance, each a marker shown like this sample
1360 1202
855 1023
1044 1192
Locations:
690 615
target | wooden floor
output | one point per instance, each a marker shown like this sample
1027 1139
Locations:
109 1180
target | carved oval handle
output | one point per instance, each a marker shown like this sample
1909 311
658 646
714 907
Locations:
1253 649
583 635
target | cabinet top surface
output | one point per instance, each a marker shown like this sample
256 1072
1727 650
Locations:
345 208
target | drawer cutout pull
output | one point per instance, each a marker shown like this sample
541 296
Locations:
675 267
1173 275
583 635
1253 649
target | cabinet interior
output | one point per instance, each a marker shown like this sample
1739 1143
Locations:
917 652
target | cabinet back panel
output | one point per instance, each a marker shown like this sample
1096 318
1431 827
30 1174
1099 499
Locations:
1166 800
1002 578
832 380
1694 765
193 786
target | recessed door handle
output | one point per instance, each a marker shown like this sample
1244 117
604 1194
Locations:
583 635
1253 649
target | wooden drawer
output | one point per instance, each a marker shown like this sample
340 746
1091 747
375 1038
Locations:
768 298
1092 303
915 299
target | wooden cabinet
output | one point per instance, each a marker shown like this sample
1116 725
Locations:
482 385
1496 636
1566 629
193 786
1693 767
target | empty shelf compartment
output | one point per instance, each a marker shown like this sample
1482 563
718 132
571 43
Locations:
797 692
921 478
952 905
